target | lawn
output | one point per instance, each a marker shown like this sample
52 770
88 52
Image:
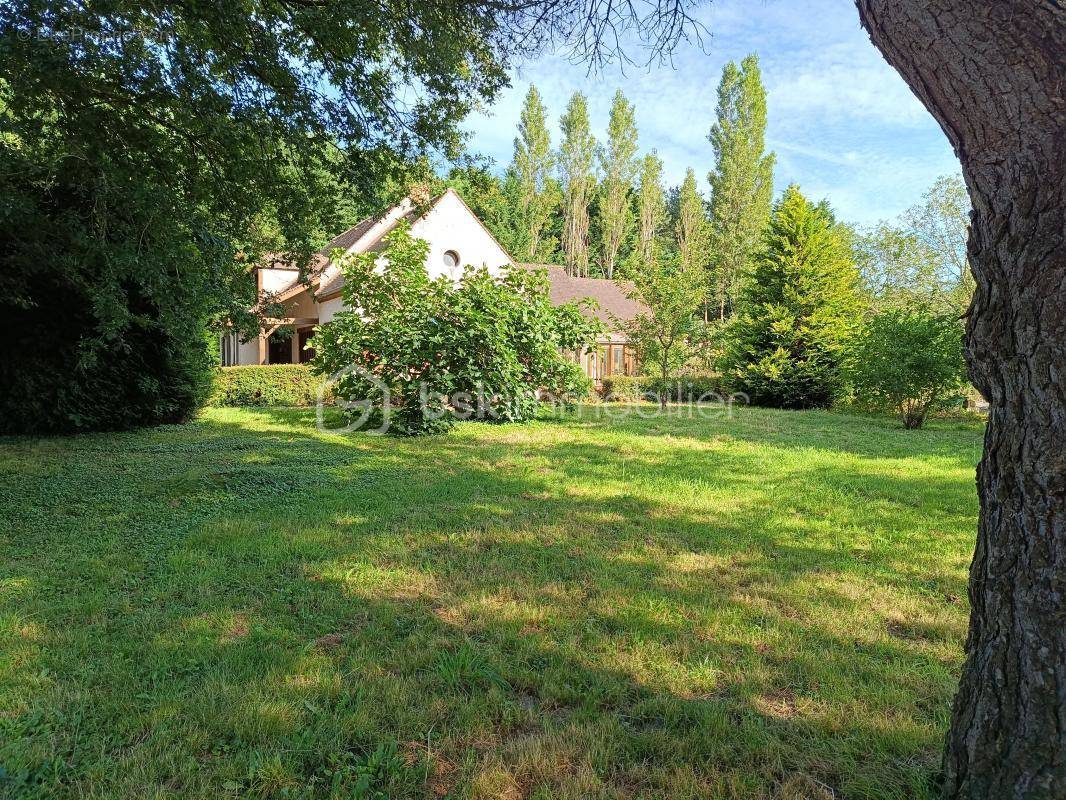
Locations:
769 606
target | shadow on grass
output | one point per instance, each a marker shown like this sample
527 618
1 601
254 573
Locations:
248 606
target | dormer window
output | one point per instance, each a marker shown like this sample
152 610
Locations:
451 259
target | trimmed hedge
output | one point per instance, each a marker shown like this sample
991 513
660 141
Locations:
628 388
274 385
692 387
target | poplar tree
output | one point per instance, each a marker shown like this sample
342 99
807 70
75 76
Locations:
533 163
652 206
577 156
619 170
692 230
742 179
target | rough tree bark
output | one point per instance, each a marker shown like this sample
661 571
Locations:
993 73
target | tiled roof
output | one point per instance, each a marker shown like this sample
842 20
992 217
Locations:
343 241
333 285
611 296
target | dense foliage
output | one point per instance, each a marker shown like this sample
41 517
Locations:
150 155
671 293
618 161
538 192
909 361
674 388
274 385
577 155
919 259
798 311
425 352
741 181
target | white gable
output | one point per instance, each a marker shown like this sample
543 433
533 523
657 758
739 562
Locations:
450 226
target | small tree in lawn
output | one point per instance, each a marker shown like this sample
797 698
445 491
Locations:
909 360
429 351
673 292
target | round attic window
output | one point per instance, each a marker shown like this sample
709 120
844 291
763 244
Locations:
451 259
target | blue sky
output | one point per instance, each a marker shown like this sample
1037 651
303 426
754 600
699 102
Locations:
842 122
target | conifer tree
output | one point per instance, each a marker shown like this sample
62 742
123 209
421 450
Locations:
532 166
576 167
619 170
742 179
798 311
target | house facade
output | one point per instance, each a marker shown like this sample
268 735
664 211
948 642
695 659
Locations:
456 237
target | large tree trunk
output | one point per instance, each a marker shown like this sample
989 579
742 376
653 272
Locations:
994 75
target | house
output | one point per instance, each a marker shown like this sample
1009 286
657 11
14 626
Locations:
613 354
456 238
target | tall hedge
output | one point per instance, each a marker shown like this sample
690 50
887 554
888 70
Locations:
62 374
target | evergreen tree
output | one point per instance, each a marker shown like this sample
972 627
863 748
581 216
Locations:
742 180
533 163
619 170
798 311
651 207
576 164
692 229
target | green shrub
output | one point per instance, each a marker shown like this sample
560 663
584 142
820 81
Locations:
677 389
622 388
689 388
275 385
426 352
910 361
62 375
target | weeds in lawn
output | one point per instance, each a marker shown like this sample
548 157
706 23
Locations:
464 670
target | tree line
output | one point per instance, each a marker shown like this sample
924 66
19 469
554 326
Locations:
601 209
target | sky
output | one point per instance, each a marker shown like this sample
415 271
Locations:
843 124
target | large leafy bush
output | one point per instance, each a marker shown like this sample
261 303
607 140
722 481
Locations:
798 312
909 360
427 351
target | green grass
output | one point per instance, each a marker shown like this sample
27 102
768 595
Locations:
771 606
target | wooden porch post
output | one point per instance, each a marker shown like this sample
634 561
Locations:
262 343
